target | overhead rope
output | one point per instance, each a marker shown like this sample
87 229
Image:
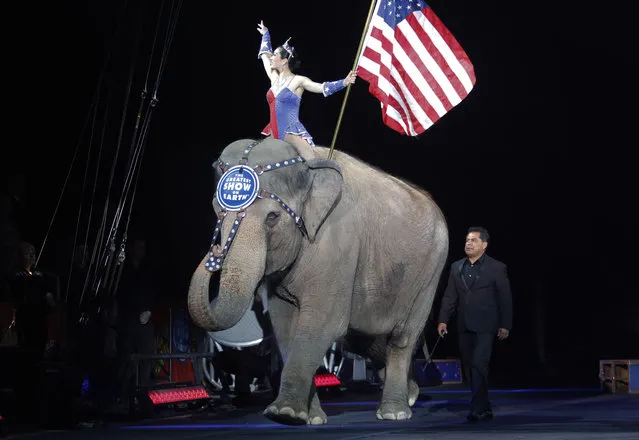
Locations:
90 216
139 142
86 123
109 246
137 161
84 182
107 275
123 120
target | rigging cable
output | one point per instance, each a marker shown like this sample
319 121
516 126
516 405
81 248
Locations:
110 244
86 122
84 183
111 265
86 237
137 162
152 104
109 248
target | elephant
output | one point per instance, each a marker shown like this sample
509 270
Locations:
347 251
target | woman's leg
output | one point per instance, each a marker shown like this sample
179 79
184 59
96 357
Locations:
301 145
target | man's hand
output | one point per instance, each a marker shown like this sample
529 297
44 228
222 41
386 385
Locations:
502 333
144 317
442 329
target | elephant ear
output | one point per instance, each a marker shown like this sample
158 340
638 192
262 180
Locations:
326 188
218 169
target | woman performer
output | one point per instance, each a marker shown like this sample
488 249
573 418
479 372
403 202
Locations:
285 95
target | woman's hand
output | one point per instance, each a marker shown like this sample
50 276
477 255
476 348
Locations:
350 78
261 28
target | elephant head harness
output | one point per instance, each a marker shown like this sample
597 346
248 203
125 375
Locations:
237 189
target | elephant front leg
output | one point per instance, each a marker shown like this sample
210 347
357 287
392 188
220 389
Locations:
284 318
316 415
297 396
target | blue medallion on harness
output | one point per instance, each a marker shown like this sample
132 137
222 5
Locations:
238 188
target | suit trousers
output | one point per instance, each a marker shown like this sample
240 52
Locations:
476 349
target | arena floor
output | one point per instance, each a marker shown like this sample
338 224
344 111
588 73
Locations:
438 414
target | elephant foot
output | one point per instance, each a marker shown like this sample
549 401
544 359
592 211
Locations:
317 416
413 392
394 411
286 414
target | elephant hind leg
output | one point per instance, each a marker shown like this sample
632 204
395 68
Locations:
374 348
399 392
400 389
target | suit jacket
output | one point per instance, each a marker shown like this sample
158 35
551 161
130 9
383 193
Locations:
484 306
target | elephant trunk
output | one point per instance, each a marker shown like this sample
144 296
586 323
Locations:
242 270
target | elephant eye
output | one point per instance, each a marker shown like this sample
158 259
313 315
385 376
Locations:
272 218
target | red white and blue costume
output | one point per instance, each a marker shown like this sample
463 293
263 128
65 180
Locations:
284 104
284 108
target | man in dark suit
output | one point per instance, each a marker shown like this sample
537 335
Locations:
478 292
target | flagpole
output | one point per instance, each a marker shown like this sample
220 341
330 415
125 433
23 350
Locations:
348 88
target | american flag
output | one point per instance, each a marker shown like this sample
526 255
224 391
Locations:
414 65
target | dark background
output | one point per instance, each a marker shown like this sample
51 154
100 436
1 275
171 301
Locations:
539 153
